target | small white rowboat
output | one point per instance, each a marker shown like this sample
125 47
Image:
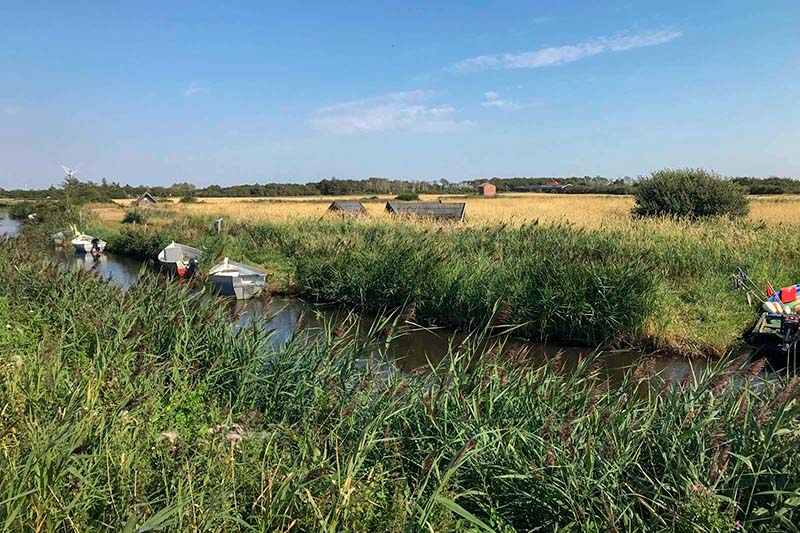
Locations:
179 258
235 279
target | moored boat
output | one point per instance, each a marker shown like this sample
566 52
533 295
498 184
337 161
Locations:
180 259
84 244
229 278
777 329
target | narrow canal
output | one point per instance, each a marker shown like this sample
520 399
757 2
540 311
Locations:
410 350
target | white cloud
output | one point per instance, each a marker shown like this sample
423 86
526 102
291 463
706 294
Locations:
408 111
558 55
194 89
492 99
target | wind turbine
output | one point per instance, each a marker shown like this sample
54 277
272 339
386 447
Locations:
70 172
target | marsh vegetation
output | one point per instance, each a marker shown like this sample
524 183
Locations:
142 409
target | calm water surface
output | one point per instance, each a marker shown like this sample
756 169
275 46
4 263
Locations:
8 227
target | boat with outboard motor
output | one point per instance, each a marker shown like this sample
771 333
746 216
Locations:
777 328
180 259
229 278
84 244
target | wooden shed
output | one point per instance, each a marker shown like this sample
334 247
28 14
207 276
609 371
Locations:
436 210
144 200
487 189
347 207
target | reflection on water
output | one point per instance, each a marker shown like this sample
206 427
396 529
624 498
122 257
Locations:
8 226
409 349
121 270
417 347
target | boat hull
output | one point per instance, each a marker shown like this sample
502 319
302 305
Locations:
83 247
240 287
179 268
768 339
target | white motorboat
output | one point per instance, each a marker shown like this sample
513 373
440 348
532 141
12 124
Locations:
84 244
235 279
180 259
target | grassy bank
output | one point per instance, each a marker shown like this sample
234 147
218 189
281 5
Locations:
659 284
142 409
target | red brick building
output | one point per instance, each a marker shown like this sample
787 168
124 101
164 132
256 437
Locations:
487 189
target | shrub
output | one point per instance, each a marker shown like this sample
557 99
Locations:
407 197
134 216
188 199
50 214
689 193
136 242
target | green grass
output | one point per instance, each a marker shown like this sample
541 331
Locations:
145 410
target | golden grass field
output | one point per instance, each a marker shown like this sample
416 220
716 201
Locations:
585 210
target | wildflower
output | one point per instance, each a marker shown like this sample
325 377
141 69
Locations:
737 526
168 437
696 487
755 369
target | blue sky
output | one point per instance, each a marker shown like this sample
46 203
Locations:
234 92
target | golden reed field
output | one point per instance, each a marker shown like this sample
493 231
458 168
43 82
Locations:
585 210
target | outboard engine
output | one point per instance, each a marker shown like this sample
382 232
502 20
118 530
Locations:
191 269
790 325
96 251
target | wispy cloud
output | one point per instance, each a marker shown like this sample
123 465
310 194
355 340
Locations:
558 55
492 99
409 111
195 89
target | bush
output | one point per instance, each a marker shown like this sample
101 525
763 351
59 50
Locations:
50 214
689 193
136 242
188 199
407 197
134 216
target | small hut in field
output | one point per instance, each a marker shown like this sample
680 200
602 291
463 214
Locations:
487 189
453 212
346 207
144 200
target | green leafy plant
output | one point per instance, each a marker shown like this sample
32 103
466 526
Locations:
407 197
689 193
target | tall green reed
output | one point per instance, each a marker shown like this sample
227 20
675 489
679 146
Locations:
145 409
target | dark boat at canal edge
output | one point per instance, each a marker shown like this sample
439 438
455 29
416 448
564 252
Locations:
776 331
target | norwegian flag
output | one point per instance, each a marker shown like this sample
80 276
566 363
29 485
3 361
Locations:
770 290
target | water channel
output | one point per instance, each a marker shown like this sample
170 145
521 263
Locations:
410 350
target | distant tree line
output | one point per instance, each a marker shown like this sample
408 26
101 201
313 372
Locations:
77 192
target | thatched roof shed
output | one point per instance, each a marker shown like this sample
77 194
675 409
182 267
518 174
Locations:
144 200
347 207
436 210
